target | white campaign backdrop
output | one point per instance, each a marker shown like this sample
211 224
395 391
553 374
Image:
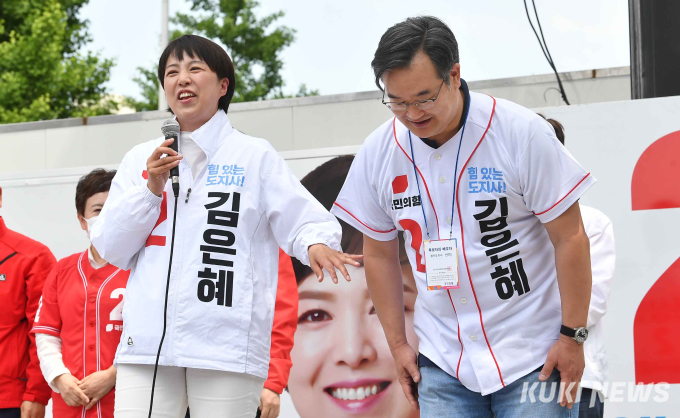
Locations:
606 138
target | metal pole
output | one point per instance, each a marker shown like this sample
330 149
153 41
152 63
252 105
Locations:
162 103
654 50
636 59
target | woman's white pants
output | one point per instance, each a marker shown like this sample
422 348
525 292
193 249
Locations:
208 393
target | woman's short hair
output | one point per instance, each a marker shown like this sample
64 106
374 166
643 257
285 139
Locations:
96 181
325 183
215 57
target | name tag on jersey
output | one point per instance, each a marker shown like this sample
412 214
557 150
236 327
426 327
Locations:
441 264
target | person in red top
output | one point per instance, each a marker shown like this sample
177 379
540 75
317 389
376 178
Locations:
79 321
24 265
283 332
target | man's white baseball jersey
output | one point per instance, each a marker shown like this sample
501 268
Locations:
232 218
602 259
513 175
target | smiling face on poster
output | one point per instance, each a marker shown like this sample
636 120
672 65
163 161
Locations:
342 365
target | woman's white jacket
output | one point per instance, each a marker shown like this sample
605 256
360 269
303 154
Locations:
243 205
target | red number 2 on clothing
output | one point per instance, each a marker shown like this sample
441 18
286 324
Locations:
416 240
117 312
157 239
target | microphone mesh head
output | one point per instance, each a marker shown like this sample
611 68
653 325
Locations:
170 128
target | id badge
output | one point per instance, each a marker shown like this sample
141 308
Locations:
441 264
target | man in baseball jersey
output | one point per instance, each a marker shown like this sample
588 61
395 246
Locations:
24 265
600 233
79 322
487 198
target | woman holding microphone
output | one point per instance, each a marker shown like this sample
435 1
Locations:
205 263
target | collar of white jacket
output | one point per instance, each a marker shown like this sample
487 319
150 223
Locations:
212 133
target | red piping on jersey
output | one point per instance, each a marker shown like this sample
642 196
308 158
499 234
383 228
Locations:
459 340
97 336
82 276
565 196
44 328
99 293
358 220
394 128
462 235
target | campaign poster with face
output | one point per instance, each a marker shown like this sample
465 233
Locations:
342 365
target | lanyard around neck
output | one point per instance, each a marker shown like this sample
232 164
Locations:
455 175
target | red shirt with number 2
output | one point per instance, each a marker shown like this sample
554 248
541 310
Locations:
83 307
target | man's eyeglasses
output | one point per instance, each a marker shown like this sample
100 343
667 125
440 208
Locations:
419 104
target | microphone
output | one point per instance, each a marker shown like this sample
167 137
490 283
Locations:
170 129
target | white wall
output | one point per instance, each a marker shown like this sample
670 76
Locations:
289 124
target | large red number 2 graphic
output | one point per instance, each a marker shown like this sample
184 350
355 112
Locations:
656 330
416 240
157 239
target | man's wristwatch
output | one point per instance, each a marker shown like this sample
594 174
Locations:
579 334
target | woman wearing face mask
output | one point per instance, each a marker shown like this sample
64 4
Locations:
79 322
342 365
212 306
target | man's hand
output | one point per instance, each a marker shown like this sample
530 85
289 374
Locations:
270 404
97 385
405 360
158 168
32 410
322 257
567 355
69 390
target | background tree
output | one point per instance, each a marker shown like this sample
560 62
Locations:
253 45
42 75
302 92
15 16
147 80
